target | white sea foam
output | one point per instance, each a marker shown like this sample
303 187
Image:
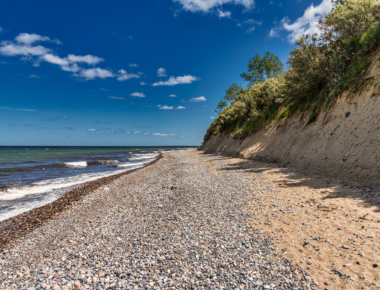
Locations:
76 164
136 164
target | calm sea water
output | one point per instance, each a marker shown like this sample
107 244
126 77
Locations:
33 176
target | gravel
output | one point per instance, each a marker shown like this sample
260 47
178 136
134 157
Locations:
173 225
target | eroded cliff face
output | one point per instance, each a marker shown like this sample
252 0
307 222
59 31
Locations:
344 141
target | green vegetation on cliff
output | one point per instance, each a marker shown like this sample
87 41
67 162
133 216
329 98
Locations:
320 68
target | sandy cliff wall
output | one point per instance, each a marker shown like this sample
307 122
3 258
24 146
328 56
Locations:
347 148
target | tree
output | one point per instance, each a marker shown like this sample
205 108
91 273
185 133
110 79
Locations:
261 68
232 92
221 105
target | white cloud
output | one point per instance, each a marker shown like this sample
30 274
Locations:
25 45
11 49
138 95
212 118
1 30
92 73
115 98
253 21
28 39
165 107
92 130
223 14
143 83
89 59
207 5
134 65
15 109
55 59
274 32
172 96
249 30
123 75
172 81
199 99
306 24
181 107
161 72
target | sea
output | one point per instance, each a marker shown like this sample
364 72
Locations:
33 176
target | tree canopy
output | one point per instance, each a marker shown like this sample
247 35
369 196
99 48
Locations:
262 68
232 92
221 105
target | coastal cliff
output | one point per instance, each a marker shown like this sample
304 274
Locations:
343 142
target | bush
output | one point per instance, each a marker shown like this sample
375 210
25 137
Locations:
321 68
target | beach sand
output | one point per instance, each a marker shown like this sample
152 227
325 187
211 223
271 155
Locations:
194 220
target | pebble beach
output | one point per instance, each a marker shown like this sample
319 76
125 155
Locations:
174 224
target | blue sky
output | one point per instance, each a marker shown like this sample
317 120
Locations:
132 73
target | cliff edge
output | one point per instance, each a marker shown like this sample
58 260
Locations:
343 142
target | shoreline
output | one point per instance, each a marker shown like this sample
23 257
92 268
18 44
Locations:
18 226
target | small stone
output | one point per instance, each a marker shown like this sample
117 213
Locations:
84 280
375 265
56 276
358 263
345 247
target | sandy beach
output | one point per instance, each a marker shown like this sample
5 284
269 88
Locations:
197 221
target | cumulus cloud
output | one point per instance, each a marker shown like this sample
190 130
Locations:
224 14
143 83
124 75
172 96
11 49
306 24
165 107
55 59
208 5
92 130
161 72
27 46
181 107
172 81
92 73
199 99
30 38
138 95
116 98
89 59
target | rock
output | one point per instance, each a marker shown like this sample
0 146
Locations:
345 247
375 265
358 263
